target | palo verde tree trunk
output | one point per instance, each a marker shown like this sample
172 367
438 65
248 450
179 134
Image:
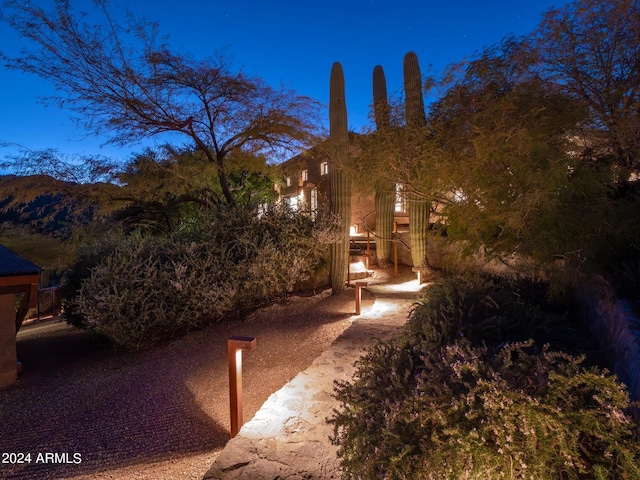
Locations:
385 190
339 180
415 118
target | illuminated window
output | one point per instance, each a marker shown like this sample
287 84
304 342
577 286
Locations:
305 175
262 209
288 181
293 202
324 168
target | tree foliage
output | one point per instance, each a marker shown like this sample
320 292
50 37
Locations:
590 50
531 147
152 192
122 79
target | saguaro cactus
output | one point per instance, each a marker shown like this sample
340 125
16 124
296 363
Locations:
385 190
415 117
380 102
414 102
339 180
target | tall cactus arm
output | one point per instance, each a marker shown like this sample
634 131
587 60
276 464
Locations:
415 118
340 182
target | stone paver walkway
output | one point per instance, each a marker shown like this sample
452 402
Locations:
289 437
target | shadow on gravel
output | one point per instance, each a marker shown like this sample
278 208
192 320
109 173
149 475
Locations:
96 408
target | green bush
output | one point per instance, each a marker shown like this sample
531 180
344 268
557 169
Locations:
492 310
88 258
138 289
148 289
461 412
440 403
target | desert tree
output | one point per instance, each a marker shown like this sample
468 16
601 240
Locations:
123 80
590 50
492 158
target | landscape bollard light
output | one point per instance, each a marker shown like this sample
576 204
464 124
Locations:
395 259
359 286
418 272
236 345
368 251
395 251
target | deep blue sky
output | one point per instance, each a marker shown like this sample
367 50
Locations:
289 42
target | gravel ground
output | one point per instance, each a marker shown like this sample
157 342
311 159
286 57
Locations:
161 413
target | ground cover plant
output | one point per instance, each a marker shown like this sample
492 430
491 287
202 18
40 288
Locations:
136 289
464 394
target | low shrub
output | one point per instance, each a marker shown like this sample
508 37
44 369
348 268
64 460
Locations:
463 412
148 289
492 310
440 402
139 289
88 258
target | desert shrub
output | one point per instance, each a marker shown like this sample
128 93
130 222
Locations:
88 258
463 412
286 249
490 310
139 289
148 289
460 396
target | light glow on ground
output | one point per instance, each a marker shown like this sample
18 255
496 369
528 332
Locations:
357 267
379 309
410 286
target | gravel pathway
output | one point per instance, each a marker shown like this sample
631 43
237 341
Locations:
289 437
84 411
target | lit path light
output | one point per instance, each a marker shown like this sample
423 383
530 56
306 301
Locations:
236 345
395 259
359 286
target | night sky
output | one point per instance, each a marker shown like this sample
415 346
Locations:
286 42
